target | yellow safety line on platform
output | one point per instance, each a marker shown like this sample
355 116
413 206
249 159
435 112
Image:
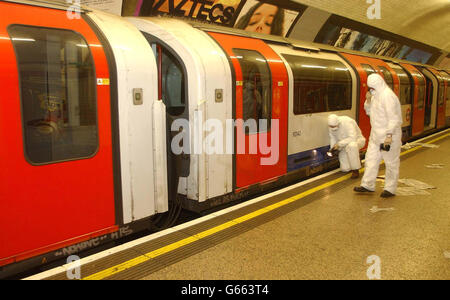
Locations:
153 254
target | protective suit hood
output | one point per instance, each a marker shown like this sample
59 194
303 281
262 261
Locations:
333 120
376 82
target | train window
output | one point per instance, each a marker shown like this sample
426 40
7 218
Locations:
387 76
405 86
368 68
171 80
256 87
447 78
58 94
445 85
320 85
421 100
441 92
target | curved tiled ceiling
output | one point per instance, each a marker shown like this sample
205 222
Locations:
427 22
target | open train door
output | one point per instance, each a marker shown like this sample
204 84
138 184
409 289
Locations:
418 107
440 122
430 99
261 93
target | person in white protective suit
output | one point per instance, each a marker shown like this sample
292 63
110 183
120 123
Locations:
346 137
385 140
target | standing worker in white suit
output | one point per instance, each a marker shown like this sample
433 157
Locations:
346 137
385 140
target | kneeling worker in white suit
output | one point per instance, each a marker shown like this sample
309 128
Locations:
385 137
346 137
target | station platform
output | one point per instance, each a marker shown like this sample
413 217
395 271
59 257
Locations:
316 229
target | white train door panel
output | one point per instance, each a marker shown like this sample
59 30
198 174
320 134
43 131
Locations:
141 121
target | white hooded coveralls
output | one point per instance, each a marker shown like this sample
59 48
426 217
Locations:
385 115
350 140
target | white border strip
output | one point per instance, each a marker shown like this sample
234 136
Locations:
137 242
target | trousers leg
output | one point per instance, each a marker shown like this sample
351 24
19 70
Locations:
352 151
372 165
344 161
392 162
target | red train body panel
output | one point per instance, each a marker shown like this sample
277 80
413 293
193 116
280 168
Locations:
249 170
41 209
418 111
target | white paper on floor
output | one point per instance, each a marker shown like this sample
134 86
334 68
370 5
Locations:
435 166
409 187
417 184
408 146
410 191
376 209
430 146
447 254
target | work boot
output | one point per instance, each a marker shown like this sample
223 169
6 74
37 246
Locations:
360 189
386 194
355 174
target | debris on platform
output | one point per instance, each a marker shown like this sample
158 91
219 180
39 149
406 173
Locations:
410 191
409 187
417 184
447 254
376 209
435 166
408 146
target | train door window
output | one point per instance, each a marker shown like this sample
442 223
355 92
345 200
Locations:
446 80
171 80
58 94
405 86
387 76
256 87
441 92
448 88
320 85
421 100
368 68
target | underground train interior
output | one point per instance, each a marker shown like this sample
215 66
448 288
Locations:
87 107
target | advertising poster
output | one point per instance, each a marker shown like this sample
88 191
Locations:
109 6
216 11
418 56
347 38
369 43
328 35
364 38
265 17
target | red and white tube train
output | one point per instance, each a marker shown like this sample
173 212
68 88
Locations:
87 103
